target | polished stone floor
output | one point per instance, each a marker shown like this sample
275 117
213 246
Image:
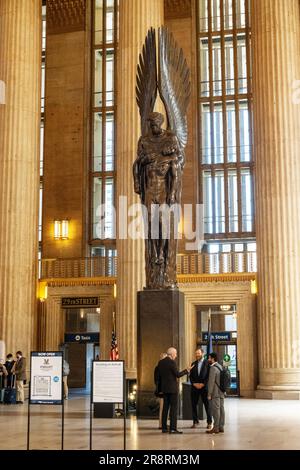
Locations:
251 424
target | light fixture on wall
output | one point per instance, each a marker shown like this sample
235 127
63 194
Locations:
61 229
65 229
254 287
42 291
234 314
57 229
225 308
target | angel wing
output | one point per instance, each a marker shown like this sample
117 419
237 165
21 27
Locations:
174 84
146 79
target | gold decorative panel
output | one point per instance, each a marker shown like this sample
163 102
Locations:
178 9
65 16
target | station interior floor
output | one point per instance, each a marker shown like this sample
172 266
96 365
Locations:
250 425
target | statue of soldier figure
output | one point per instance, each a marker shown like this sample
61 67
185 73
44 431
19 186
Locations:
157 170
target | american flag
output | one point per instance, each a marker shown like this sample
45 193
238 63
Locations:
114 352
209 335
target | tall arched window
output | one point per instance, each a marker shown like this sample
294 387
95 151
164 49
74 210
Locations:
225 116
104 40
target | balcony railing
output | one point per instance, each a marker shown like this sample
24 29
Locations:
98 266
78 267
217 263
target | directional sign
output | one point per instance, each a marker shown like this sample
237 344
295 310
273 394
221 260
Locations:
217 336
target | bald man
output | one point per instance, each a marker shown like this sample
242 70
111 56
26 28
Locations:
168 376
158 392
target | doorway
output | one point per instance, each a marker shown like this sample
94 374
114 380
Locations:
81 346
224 338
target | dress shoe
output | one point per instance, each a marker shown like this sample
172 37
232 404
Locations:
164 431
221 430
194 426
175 431
213 431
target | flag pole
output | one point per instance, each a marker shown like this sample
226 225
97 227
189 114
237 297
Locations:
209 338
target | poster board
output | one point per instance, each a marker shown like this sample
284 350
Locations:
108 382
46 372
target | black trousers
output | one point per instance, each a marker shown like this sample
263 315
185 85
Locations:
170 403
195 395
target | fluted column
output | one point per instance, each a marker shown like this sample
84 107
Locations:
136 17
276 67
20 65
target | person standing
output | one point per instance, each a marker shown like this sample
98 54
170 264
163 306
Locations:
158 392
199 379
168 375
66 372
9 364
215 395
19 369
3 378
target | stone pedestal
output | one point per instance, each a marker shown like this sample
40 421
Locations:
187 413
160 326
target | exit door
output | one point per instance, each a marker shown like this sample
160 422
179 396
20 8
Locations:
77 363
223 328
230 350
223 350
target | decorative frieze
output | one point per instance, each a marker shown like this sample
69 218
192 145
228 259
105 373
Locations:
65 16
178 9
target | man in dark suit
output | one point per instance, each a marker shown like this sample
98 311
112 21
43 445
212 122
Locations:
199 379
168 375
158 392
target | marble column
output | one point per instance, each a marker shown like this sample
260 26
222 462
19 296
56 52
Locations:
276 69
136 17
20 69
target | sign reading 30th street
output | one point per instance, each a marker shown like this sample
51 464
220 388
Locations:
46 378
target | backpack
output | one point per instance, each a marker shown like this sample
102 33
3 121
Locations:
225 379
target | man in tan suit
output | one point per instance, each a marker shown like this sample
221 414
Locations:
20 372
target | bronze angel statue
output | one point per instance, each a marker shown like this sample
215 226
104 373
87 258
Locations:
157 170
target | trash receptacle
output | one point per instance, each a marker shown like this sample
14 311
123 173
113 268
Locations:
187 404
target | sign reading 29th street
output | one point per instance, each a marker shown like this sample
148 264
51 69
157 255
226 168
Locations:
74 302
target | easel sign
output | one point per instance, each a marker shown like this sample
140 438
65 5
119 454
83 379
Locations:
46 378
108 382
46 384
108 386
